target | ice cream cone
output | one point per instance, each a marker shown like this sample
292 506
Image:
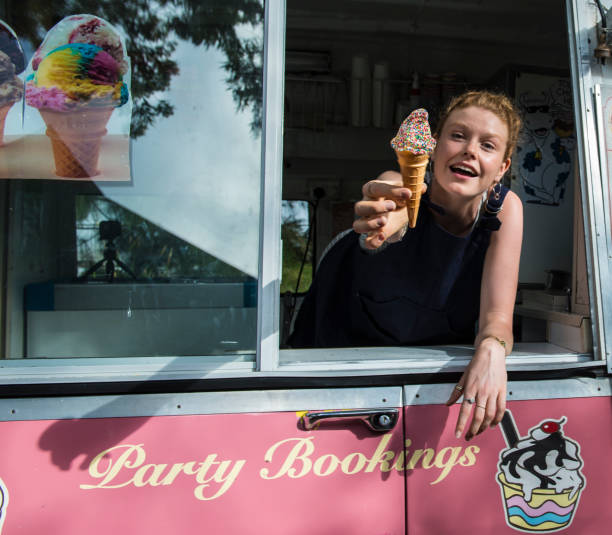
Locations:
76 137
546 511
412 168
3 112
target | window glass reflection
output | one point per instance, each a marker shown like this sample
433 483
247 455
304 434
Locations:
155 251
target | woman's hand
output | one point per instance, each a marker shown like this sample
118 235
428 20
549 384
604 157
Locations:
484 380
381 211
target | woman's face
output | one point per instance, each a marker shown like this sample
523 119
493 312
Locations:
470 153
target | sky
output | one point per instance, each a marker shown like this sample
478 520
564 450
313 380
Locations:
197 173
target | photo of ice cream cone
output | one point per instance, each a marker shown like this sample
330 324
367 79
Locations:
413 145
3 113
78 79
12 63
76 138
539 477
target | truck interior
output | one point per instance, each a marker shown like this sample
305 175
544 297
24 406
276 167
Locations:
355 69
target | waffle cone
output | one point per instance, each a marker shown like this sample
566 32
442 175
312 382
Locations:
3 112
76 137
412 168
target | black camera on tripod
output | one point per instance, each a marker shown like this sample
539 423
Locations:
109 230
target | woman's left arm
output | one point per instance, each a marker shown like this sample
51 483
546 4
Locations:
484 380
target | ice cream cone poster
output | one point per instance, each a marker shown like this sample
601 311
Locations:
413 145
12 63
78 106
539 476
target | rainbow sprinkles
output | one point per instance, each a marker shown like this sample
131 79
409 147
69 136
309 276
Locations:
414 134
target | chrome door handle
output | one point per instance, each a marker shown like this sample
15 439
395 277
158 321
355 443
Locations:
380 420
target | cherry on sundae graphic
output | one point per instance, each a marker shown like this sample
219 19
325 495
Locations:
4 497
539 476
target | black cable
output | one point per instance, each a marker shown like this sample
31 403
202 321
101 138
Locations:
311 226
604 22
312 223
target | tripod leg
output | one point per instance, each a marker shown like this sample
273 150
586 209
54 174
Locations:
125 268
91 271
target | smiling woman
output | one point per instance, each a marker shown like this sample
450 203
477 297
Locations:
433 284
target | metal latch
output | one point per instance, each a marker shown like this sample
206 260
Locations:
380 420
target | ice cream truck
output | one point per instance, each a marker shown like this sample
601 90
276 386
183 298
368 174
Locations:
151 271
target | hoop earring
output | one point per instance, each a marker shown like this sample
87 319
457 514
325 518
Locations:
497 190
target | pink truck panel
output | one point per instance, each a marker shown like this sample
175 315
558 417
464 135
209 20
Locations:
454 486
226 473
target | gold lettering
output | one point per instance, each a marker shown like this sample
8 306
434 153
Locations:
320 462
176 469
113 468
469 457
300 453
404 456
345 465
218 477
399 461
445 459
133 457
204 467
427 455
153 480
428 458
381 456
447 464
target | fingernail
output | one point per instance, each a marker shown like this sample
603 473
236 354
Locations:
380 223
468 437
389 205
381 237
458 434
405 195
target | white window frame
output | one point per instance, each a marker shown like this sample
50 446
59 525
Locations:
268 282
587 75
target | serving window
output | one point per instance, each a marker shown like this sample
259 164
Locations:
354 70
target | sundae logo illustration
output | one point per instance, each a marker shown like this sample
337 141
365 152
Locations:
539 476
4 499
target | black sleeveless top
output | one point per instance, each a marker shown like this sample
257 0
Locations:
424 289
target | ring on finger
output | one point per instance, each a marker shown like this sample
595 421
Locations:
458 388
471 401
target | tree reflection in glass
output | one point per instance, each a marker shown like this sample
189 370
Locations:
152 29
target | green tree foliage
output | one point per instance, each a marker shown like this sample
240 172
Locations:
295 237
148 250
152 28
